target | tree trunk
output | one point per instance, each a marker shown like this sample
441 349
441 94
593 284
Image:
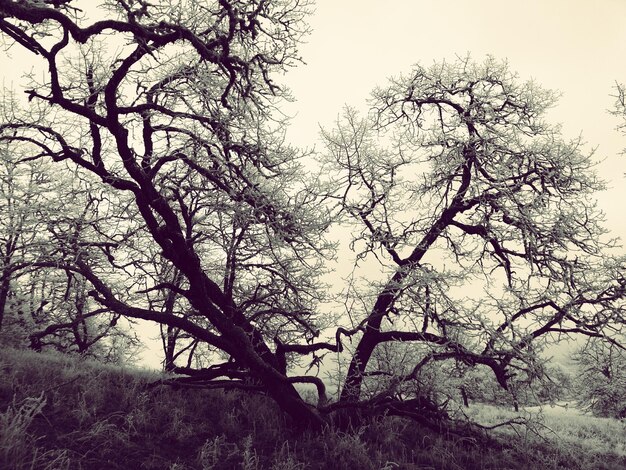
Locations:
170 335
464 396
255 357
354 379
248 348
5 286
169 347
370 339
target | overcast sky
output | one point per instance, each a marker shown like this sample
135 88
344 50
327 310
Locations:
575 46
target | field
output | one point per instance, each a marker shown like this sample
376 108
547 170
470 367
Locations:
62 413
563 425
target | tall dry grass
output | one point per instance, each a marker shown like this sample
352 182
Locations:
58 412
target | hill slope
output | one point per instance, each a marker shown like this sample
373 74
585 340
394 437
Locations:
58 412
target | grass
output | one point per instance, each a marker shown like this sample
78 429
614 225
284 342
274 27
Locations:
569 429
58 412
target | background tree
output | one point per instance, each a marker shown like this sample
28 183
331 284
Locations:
601 378
26 191
41 304
453 181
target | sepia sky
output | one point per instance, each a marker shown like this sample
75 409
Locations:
577 47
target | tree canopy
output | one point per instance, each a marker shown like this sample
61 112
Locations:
201 218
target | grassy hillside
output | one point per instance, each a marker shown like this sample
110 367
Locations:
61 413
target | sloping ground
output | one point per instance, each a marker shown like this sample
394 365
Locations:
61 413
565 424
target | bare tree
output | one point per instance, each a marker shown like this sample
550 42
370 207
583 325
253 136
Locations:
480 215
42 218
26 191
179 119
455 180
601 378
